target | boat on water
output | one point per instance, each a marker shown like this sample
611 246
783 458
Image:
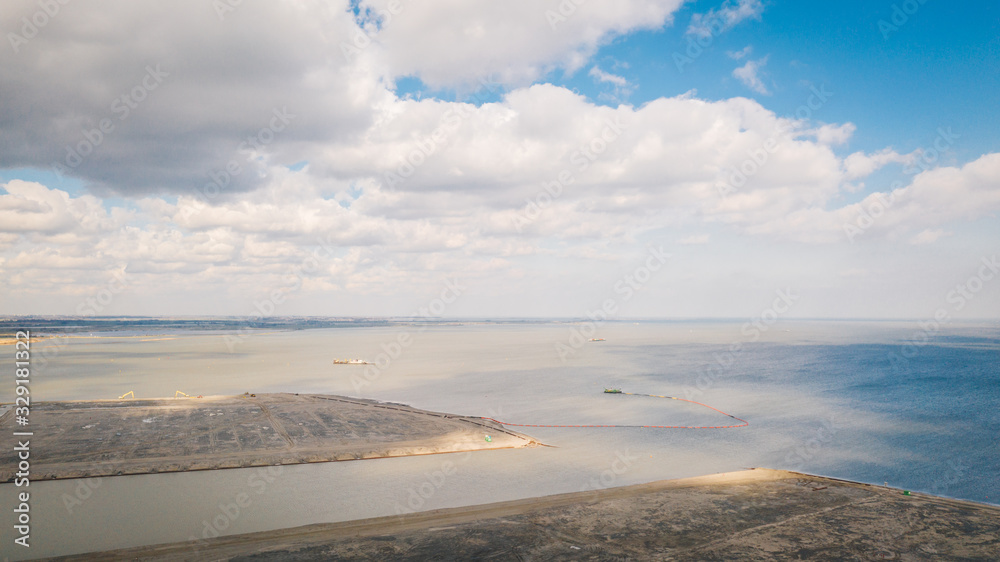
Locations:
596 339
350 362
613 391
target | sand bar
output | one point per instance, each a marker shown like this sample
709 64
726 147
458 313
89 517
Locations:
114 437
758 514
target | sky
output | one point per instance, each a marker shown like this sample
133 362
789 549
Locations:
528 158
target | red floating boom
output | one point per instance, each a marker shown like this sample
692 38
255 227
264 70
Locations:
744 424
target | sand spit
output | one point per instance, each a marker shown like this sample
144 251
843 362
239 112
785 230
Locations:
756 514
111 437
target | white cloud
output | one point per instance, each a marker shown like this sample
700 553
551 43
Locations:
668 154
737 55
835 135
748 75
859 164
694 239
946 194
218 81
621 89
929 236
657 164
651 162
30 207
916 211
724 18
601 76
515 41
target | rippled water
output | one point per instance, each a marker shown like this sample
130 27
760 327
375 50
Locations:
844 399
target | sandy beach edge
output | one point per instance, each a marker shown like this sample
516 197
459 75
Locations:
285 543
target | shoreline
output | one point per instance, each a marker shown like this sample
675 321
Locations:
772 513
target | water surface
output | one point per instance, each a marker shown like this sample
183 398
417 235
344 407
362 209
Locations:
843 399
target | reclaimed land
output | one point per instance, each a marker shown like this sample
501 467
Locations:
114 437
757 514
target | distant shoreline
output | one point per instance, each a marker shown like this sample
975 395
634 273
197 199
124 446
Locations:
10 340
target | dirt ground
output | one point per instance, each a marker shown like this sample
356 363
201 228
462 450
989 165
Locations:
757 514
112 437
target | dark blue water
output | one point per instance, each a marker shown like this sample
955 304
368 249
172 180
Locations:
944 400
923 417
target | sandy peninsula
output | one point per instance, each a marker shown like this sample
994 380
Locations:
116 437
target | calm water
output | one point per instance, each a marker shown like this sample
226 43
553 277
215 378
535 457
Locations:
844 399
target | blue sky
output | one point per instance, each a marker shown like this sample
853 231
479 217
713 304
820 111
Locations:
898 87
379 170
